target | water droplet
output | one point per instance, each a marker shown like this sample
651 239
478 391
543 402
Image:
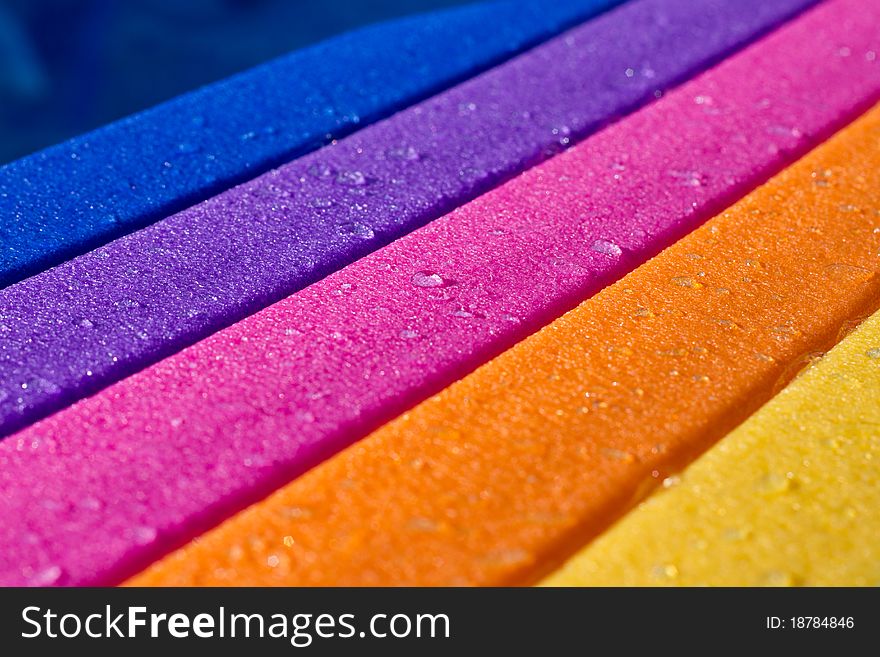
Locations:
85 322
322 203
606 248
187 147
629 72
778 578
736 534
461 312
91 503
564 134
689 178
508 557
320 170
427 279
351 178
618 455
873 353
297 512
821 178
127 303
357 229
844 272
685 281
408 334
404 153
784 131
665 571
47 576
176 421
144 535
421 524
774 483
784 331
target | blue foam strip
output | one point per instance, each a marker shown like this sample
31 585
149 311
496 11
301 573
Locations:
75 196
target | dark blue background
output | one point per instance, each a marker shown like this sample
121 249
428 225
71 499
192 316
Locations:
68 66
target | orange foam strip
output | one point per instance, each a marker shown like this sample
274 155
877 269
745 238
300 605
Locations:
502 475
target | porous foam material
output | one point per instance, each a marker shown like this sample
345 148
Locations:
789 498
224 422
87 191
93 320
500 476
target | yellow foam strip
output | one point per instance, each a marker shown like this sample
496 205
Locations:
790 497
506 473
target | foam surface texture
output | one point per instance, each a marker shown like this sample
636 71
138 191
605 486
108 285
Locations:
303 378
790 498
506 472
87 191
93 320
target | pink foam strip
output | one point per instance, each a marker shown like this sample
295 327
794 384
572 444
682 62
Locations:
97 491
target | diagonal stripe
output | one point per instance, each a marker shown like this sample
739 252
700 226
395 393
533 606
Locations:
788 498
303 378
74 329
505 472
70 198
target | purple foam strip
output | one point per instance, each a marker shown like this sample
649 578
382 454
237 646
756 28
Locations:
102 488
72 330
